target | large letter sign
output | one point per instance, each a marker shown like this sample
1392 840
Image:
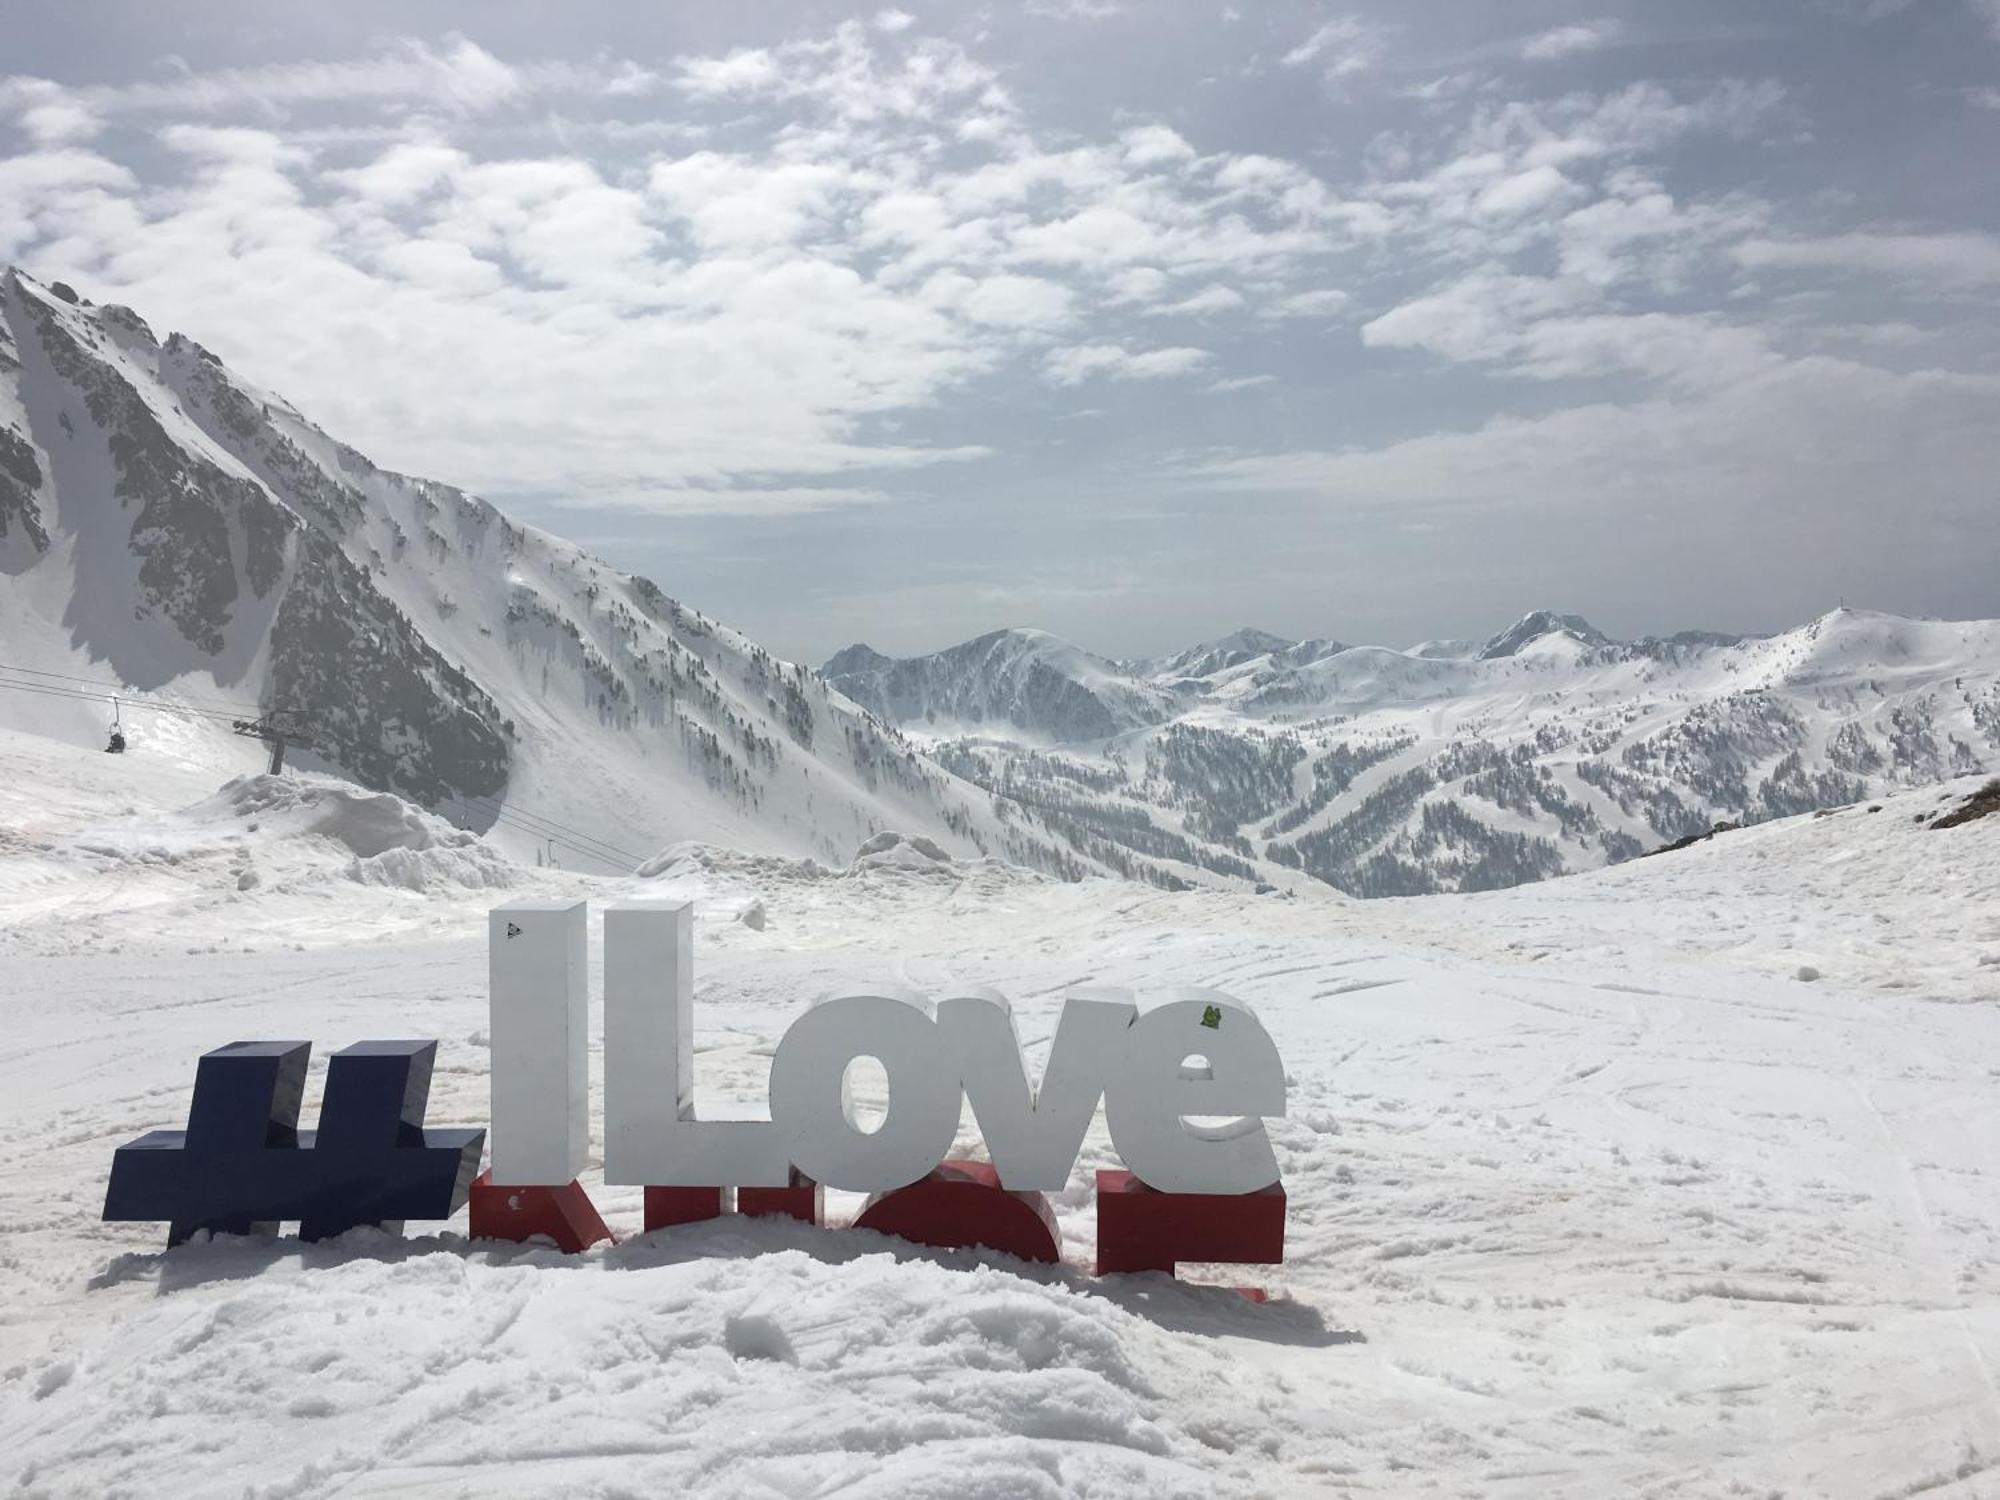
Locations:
1199 1054
651 1135
1186 1086
1033 1135
815 1112
243 1165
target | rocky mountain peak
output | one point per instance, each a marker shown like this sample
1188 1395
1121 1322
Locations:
1537 624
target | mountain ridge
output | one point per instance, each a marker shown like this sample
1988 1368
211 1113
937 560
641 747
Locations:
169 527
1548 747
173 528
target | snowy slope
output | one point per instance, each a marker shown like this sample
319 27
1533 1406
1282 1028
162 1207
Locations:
1590 1193
1462 766
168 527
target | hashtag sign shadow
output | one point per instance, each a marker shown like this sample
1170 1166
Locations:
243 1166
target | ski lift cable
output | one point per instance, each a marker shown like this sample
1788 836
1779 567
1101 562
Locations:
531 822
546 827
125 688
79 695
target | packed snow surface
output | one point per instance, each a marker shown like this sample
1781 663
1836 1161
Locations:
1675 1179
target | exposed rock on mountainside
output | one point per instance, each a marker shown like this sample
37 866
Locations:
1984 803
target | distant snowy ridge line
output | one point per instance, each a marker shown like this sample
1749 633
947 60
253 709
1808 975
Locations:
1449 766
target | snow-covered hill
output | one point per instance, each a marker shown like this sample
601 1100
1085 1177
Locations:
1676 1179
167 527
1461 765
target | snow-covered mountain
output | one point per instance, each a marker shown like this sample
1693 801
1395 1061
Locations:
1029 680
1457 765
168 527
175 535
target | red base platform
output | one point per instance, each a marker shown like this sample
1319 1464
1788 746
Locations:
668 1206
1142 1229
804 1200
562 1214
962 1204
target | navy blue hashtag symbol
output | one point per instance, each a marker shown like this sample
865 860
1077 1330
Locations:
243 1166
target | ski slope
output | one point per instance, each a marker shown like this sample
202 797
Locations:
1591 1193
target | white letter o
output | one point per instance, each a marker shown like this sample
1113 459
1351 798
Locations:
809 1097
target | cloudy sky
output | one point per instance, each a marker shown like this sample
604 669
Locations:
1135 322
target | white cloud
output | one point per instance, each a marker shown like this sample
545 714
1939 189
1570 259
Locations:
1523 192
1214 298
1136 284
1807 452
739 312
1004 300
730 203
1568 41
458 76
1150 145
403 173
743 71
699 322
1341 47
893 21
788 500
1952 260
1074 10
1241 383
850 77
50 114
1548 328
1081 362
1320 302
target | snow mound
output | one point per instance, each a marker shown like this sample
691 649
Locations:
867 1374
1891 895
891 855
692 860
101 850
897 851
389 842
906 871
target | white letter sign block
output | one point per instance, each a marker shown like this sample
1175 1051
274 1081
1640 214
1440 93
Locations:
1146 1101
536 960
652 1137
1033 1136
809 1095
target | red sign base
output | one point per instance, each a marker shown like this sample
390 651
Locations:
961 1204
1142 1229
804 1200
668 1206
562 1214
